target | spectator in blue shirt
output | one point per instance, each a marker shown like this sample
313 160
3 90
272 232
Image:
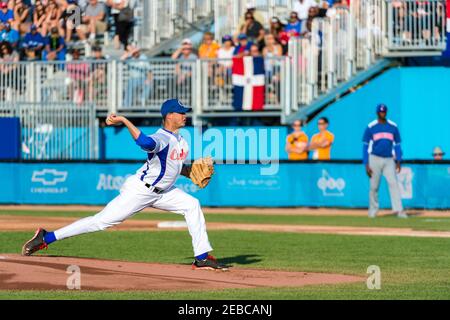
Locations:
33 43
243 47
294 27
6 15
55 47
9 34
381 141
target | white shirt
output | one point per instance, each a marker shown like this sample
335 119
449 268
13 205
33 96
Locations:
165 162
222 53
303 8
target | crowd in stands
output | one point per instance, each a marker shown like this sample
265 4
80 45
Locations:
33 30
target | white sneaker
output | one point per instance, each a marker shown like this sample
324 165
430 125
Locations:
372 215
402 215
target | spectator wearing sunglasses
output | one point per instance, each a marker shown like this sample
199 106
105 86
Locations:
438 154
253 29
297 142
322 141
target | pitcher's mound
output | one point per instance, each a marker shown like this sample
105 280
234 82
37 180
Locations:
51 273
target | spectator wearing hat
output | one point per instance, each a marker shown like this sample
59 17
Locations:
184 68
55 47
276 27
10 35
438 154
32 44
208 49
6 15
243 47
383 157
98 76
226 52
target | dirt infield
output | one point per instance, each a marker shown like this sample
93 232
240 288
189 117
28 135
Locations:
50 273
30 223
249 210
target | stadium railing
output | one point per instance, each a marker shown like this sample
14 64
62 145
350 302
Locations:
55 131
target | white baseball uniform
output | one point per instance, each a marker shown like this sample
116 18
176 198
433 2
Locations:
151 186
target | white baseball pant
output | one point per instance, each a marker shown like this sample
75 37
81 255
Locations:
135 196
386 167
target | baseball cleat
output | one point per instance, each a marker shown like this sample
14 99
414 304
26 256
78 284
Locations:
402 215
210 263
35 244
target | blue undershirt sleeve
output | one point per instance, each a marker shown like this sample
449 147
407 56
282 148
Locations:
146 143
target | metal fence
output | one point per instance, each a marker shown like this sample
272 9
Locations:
55 131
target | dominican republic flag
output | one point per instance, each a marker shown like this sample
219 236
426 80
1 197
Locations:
248 83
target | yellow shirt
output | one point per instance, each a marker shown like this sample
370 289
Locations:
208 52
322 153
298 140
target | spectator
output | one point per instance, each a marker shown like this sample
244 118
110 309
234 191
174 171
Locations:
6 15
253 29
55 47
122 13
252 10
7 54
140 77
297 142
294 26
93 20
302 8
254 51
438 154
321 142
22 16
39 16
183 69
226 51
243 47
98 80
276 27
69 8
52 16
32 44
208 49
9 34
225 63
337 5
272 49
272 67
79 75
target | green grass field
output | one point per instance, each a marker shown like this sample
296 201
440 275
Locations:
411 268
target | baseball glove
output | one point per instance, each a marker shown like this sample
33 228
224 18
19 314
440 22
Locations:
201 171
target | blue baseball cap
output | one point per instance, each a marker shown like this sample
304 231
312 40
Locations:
242 36
382 108
226 38
173 106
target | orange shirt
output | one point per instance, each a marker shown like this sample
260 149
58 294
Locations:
300 140
208 52
322 153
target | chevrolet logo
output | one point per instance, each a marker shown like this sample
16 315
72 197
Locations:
49 177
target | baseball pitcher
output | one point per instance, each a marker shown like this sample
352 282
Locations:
151 186
381 141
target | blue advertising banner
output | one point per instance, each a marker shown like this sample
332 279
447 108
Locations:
291 185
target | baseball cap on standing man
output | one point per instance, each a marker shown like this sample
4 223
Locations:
3 5
382 108
173 105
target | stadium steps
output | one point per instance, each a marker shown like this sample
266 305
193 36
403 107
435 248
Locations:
193 31
309 111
